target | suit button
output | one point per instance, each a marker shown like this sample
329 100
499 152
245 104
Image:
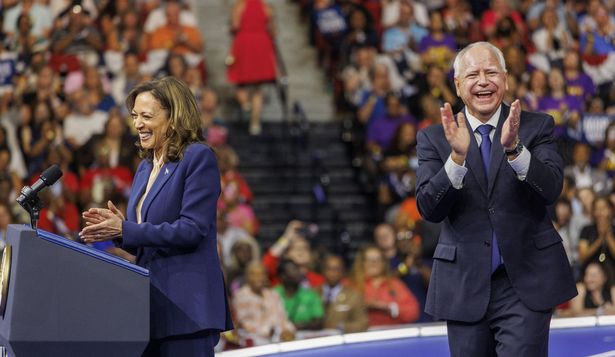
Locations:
491 211
487 243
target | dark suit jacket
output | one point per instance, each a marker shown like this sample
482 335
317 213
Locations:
531 248
177 243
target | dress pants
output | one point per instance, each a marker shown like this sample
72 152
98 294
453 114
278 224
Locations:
199 344
508 329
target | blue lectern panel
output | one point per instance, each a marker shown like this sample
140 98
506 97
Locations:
94 253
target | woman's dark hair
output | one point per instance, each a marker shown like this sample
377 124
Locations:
396 139
182 112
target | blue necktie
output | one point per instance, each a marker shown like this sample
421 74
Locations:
485 153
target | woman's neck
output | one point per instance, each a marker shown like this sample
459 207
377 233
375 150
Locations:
571 73
159 154
376 280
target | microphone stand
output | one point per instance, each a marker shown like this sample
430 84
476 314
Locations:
32 205
34 209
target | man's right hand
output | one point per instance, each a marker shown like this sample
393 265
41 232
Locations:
456 133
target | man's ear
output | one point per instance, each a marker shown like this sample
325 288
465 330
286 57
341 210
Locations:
457 84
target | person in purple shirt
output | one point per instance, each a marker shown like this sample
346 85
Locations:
578 83
565 109
438 47
382 130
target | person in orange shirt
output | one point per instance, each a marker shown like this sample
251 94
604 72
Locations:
174 36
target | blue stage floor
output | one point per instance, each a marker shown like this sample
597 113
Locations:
580 337
573 342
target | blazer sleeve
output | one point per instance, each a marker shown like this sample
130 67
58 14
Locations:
197 214
545 174
435 194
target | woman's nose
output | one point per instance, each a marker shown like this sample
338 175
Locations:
137 122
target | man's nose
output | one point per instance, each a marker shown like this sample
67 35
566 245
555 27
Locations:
482 78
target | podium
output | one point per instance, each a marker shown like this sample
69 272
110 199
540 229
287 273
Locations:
62 298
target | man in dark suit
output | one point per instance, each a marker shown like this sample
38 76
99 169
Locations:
488 176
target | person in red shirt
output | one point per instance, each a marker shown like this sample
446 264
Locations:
294 246
100 180
388 300
59 216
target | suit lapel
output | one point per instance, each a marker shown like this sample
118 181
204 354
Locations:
474 161
138 188
497 151
163 176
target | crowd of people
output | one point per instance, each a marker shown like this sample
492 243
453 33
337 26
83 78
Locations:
67 66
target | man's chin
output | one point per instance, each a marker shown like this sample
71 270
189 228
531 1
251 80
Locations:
486 111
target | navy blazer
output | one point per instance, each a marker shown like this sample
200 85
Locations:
530 246
177 243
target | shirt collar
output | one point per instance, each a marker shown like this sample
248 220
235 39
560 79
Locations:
475 123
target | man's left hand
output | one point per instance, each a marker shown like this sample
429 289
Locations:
510 129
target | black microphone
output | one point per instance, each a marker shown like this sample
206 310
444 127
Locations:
48 178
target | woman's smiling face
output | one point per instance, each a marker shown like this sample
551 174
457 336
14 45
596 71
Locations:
151 121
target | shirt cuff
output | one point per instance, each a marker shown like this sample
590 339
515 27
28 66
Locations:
455 172
521 164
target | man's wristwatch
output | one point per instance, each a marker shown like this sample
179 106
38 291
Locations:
516 150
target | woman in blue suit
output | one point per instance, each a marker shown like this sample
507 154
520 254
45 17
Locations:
171 223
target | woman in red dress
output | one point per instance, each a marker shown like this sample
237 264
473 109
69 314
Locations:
252 59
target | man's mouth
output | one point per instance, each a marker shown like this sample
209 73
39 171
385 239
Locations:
484 94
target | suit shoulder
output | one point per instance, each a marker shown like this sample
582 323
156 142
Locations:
199 152
537 117
430 134
433 130
198 149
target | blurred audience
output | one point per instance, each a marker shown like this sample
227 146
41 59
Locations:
597 240
303 305
259 310
293 246
344 307
388 300
244 251
596 293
